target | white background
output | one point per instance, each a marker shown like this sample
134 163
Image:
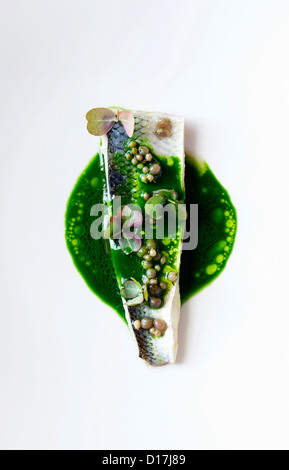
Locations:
70 376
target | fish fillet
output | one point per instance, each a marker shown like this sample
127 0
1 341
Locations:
163 350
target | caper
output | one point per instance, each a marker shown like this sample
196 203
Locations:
157 257
140 166
151 273
153 282
150 178
146 323
144 178
139 157
143 150
155 332
163 128
146 196
172 276
137 324
132 144
129 156
147 257
142 251
145 170
153 252
155 302
163 260
134 151
149 157
160 324
158 267
155 169
151 243
163 285
134 161
154 290
147 264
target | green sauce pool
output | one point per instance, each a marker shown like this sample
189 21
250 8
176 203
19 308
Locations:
217 227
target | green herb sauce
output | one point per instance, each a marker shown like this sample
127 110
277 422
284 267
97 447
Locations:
199 267
131 189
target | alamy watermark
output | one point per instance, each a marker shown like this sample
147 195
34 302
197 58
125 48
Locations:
127 225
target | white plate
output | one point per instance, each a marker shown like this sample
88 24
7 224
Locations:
70 377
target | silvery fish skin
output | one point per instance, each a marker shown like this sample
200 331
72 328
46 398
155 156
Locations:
163 350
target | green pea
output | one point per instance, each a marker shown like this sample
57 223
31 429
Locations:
132 144
142 251
151 243
155 331
155 302
155 169
160 324
146 323
147 264
173 276
154 290
151 273
143 150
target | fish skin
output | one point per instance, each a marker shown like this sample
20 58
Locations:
163 350
117 136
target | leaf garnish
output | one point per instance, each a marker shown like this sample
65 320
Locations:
128 245
101 120
113 229
154 207
136 301
137 283
127 120
168 193
146 293
167 198
132 292
119 228
130 289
